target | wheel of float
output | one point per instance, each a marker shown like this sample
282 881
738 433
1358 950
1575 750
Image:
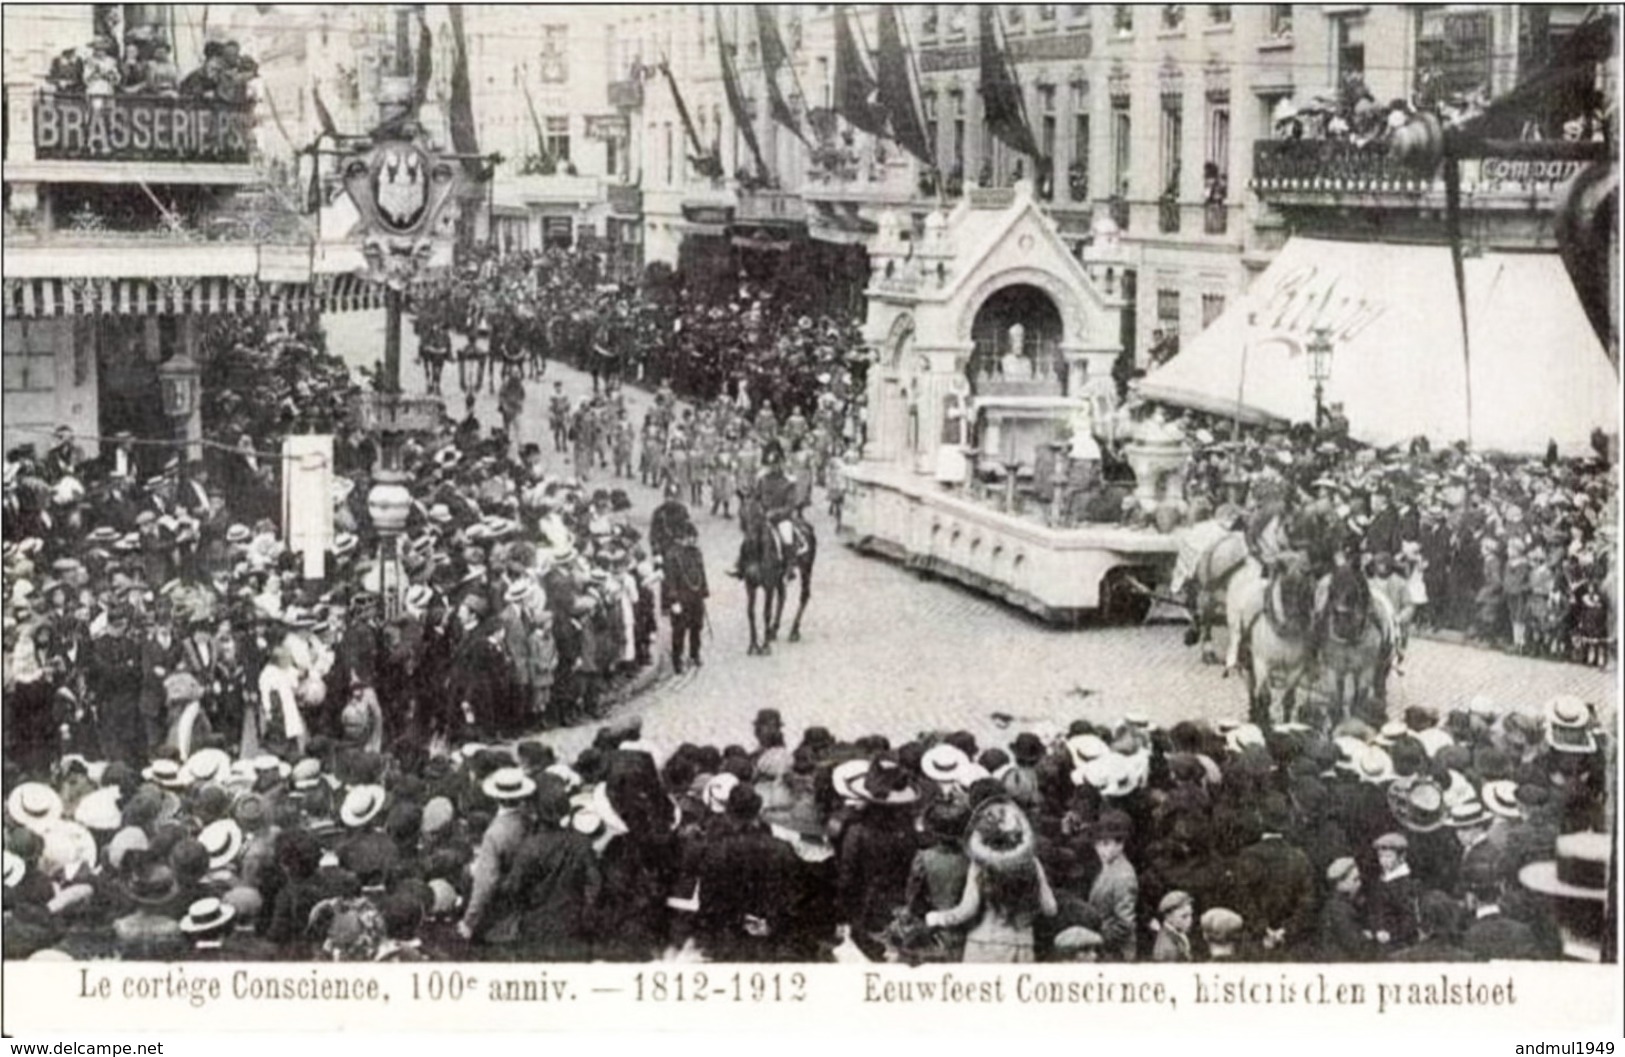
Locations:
1121 599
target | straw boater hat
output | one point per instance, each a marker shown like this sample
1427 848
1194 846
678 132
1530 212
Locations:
1568 725
99 810
13 868
717 791
844 777
1501 797
942 762
223 840
166 774
1580 870
208 765
207 915
508 784
34 805
361 805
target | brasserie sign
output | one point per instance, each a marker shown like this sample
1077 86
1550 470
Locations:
136 129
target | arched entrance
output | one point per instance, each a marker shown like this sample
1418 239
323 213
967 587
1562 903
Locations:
1017 334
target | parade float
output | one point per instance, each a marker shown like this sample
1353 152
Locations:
997 454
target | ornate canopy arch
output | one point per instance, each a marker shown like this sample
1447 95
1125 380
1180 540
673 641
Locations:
1066 301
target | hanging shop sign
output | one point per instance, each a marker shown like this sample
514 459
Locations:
132 128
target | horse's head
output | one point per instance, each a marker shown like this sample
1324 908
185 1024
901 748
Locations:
1348 602
1297 595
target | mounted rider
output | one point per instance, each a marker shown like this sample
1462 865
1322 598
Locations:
778 500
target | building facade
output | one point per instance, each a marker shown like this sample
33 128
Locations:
130 219
1157 119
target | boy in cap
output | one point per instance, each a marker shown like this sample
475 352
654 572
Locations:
1391 903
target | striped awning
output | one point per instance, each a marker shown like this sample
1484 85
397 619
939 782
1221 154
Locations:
200 296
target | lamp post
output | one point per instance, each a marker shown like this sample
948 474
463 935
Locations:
1320 368
178 383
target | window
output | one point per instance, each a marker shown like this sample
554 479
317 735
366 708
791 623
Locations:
1173 131
1173 17
1077 174
1218 14
928 21
928 103
669 152
1015 17
1348 46
1212 308
1216 166
823 79
1044 178
1280 21
1168 312
1452 53
554 63
1122 133
1078 14
1123 20
29 370
956 106
611 156
1046 14
556 138
956 20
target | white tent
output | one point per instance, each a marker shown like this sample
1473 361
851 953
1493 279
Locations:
1538 372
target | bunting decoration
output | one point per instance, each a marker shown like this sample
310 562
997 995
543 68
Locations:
855 87
706 163
425 64
774 59
464 131
1002 102
899 91
736 100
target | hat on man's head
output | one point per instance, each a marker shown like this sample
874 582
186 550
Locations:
1391 842
508 785
1027 749
1568 725
34 805
361 805
1173 901
207 916
1580 870
1340 869
942 762
223 840
1221 925
1501 798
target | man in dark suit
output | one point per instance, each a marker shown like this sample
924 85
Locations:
1493 936
1277 883
1437 924
683 596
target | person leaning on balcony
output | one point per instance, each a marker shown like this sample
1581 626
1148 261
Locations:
101 69
204 82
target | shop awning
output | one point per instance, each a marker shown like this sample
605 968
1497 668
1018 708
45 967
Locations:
56 297
1537 374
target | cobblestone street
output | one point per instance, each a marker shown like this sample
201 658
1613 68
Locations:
887 650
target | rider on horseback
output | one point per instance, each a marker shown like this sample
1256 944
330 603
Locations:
775 495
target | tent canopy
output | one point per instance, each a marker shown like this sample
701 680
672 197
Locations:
1538 372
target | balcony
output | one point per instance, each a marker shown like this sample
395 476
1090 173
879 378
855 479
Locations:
1168 216
1332 166
624 199
770 207
1215 218
626 95
141 129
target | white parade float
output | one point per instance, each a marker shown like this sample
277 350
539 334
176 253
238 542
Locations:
989 400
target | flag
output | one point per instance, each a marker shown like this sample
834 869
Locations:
855 89
465 137
323 116
536 122
1002 104
707 164
736 101
898 91
425 67
775 58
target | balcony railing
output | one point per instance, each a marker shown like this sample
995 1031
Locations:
1332 166
1215 218
141 128
770 207
1167 215
626 95
624 199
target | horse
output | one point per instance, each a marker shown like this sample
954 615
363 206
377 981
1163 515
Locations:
765 568
1218 556
1355 645
1277 643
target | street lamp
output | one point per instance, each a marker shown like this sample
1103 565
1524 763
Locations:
1320 367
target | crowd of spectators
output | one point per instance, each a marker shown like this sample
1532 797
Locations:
1516 553
145 66
755 343
1474 836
